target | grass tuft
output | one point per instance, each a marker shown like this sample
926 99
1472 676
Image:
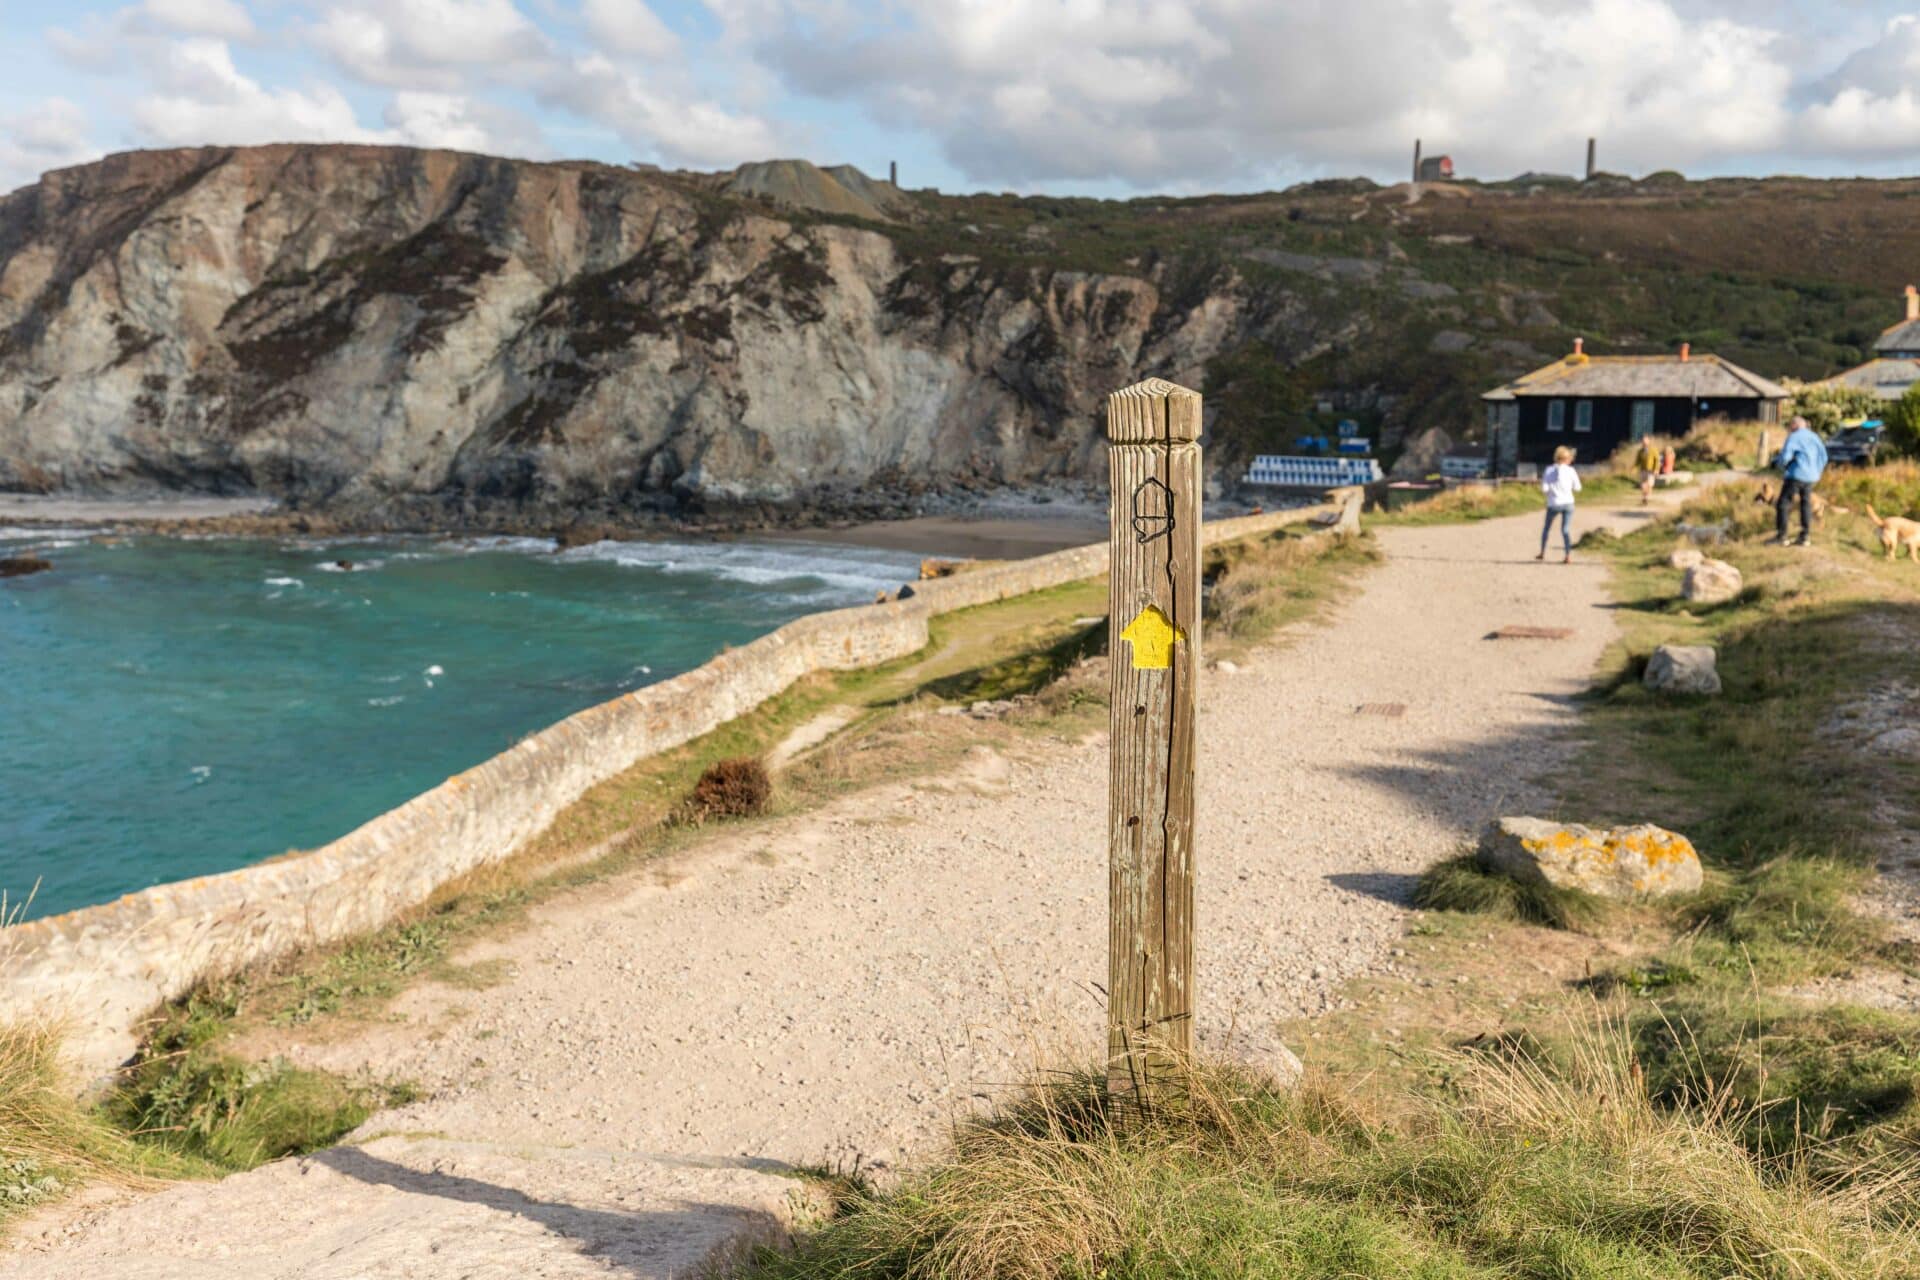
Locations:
1519 1167
49 1140
1462 884
184 1094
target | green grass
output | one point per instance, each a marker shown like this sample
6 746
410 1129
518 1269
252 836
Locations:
1493 502
1462 884
1510 1170
1786 808
187 1095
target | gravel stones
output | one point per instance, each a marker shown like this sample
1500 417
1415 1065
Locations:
1640 861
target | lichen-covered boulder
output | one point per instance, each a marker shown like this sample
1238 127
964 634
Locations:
1686 557
1682 668
1641 861
1710 582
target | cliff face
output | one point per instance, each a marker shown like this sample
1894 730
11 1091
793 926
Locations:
412 337
406 335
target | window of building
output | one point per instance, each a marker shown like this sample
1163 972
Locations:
1583 415
1556 415
1642 418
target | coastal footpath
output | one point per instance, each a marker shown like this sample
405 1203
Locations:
104 968
843 983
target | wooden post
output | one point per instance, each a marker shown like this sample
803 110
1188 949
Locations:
1153 430
1766 450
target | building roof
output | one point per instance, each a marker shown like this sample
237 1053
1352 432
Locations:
1886 378
1701 377
1904 336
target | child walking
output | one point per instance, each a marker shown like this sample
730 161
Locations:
1559 483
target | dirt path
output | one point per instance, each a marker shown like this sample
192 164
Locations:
841 984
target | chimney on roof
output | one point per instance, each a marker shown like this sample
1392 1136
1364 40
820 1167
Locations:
1913 303
1686 351
1590 143
1578 343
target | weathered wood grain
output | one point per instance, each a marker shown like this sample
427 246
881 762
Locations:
1153 429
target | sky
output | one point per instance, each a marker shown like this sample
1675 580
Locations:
1096 97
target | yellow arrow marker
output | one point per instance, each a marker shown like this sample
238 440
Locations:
1152 637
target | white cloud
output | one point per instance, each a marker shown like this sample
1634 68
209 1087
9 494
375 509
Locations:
461 123
50 135
1872 103
629 27
428 44
203 99
221 18
1166 94
1157 92
661 121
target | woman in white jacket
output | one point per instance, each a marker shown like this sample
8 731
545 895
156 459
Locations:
1559 483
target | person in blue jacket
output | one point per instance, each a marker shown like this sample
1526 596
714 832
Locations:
1802 458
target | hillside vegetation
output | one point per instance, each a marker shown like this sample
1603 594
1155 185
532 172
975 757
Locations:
400 337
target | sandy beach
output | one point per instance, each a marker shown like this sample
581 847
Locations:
33 508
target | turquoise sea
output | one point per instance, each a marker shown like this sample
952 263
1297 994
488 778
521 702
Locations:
170 708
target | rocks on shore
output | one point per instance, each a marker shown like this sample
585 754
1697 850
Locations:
1639 861
1711 582
1683 668
21 566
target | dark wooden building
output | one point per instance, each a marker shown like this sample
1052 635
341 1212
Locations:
1597 403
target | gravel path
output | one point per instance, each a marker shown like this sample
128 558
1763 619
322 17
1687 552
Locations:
839 985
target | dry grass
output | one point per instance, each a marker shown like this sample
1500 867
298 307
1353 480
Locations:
1258 585
49 1141
1516 1166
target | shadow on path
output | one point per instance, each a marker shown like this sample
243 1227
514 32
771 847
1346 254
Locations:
1395 887
653 1244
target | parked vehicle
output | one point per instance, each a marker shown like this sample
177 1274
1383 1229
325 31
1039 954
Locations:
1856 445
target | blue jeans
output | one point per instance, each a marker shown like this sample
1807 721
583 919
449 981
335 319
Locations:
1565 515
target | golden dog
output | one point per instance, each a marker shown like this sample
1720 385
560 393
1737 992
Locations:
1896 532
1767 495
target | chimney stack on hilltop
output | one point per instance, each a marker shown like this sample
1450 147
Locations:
1590 167
1416 159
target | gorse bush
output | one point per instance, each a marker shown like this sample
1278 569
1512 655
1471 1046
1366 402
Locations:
734 788
1903 423
1826 408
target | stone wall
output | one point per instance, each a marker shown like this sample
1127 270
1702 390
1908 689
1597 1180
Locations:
105 967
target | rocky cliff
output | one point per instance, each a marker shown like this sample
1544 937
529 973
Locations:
408 337
414 336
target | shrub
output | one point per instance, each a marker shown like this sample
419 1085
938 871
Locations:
735 788
1903 423
1825 408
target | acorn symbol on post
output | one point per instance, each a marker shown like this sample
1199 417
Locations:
1152 511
